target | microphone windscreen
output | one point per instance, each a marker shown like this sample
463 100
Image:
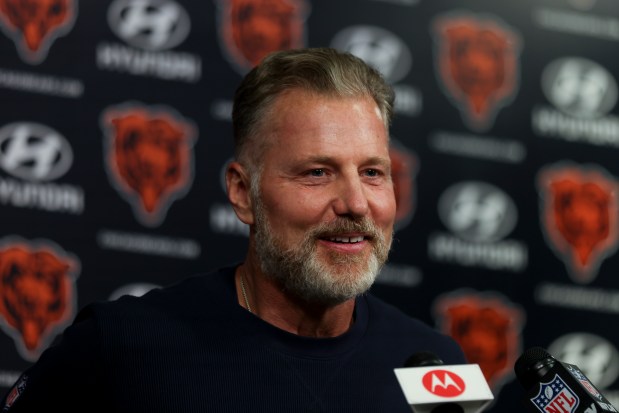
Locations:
423 359
532 365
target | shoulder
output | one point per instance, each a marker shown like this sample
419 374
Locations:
388 316
390 322
106 337
187 297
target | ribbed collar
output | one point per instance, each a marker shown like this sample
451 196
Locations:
282 341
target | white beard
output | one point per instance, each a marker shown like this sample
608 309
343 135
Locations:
327 280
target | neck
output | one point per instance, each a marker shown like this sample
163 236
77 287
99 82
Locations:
266 300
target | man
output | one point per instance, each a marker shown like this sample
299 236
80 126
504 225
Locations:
290 329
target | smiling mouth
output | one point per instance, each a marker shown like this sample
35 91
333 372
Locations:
347 240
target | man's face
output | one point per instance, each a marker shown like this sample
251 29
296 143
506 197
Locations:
324 207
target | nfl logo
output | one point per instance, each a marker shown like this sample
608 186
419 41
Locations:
17 390
555 397
584 381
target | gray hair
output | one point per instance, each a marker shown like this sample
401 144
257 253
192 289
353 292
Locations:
325 71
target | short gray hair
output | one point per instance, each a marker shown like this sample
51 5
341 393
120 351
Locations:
325 71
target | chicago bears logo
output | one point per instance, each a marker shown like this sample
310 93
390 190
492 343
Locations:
149 157
477 62
37 293
579 217
35 24
251 29
487 327
403 170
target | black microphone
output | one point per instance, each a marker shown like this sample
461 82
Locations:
556 387
423 359
430 386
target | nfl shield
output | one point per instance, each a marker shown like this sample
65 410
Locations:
556 397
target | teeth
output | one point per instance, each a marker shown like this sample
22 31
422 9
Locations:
347 239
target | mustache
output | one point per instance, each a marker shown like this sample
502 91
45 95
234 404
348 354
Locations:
340 226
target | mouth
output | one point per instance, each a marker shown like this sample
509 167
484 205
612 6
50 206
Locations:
344 239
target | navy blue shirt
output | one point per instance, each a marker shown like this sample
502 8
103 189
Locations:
191 348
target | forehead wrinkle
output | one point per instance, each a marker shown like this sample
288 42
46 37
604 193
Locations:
326 159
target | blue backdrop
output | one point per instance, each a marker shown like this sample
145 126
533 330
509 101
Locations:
115 131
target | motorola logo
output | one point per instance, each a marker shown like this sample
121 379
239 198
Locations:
579 87
34 152
153 25
595 356
443 383
378 47
477 211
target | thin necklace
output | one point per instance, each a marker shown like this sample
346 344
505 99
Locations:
245 294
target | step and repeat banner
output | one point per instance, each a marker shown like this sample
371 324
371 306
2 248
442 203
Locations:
115 131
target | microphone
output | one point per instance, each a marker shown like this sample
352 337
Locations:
430 386
556 387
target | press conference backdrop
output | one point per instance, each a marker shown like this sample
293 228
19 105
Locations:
115 131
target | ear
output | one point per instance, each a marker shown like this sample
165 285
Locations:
237 186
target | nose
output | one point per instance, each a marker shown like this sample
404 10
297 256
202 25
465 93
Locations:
351 198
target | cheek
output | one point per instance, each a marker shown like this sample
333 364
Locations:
294 210
384 206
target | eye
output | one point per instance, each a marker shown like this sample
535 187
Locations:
372 173
317 172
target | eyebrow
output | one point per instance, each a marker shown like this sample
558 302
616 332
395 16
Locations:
374 160
385 162
328 159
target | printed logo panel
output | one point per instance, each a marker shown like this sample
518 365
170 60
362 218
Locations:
149 157
135 289
577 18
579 216
387 53
403 172
37 292
149 24
477 211
443 383
15 393
251 29
35 25
149 30
479 216
488 328
596 356
35 156
34 152
582 93
378 47
477 60
556 396
579 87
584 381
